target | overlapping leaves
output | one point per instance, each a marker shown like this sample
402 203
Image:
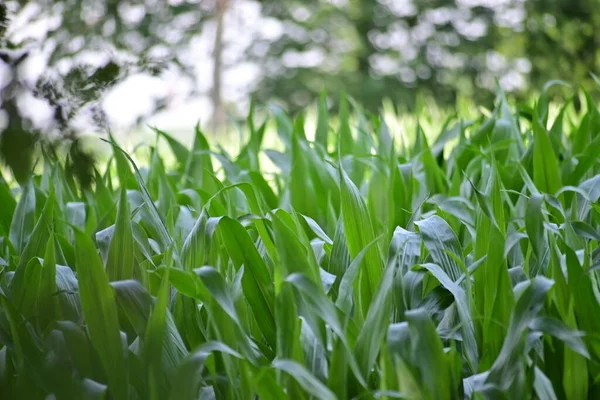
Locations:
455 266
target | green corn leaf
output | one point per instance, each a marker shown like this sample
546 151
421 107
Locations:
119 264
188 380
36 244
323 122
359 233
153 341
23 219
508 363
309 383
441 241
256 281
319 304
136 304
546 173
100 312
534 223
180 152
8 208
345 142
432 361
464 313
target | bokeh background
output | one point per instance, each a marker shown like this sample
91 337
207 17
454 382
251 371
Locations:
80 65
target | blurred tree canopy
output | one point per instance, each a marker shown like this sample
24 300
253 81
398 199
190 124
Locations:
86 46
563 40
396 48
370 49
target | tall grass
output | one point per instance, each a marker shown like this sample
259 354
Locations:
456 265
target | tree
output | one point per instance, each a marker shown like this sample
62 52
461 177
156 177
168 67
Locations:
122 37
218 117
3 21
563 41
446 48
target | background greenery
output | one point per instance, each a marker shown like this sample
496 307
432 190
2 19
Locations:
370 48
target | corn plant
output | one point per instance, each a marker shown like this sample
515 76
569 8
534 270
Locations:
456 265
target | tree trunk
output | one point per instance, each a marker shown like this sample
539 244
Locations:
218 117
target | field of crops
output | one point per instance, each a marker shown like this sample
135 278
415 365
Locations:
367 267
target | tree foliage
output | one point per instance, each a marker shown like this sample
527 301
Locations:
444 48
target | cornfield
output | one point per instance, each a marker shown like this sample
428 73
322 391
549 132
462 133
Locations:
458 265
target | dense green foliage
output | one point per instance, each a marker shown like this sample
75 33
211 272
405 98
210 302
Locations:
462 264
